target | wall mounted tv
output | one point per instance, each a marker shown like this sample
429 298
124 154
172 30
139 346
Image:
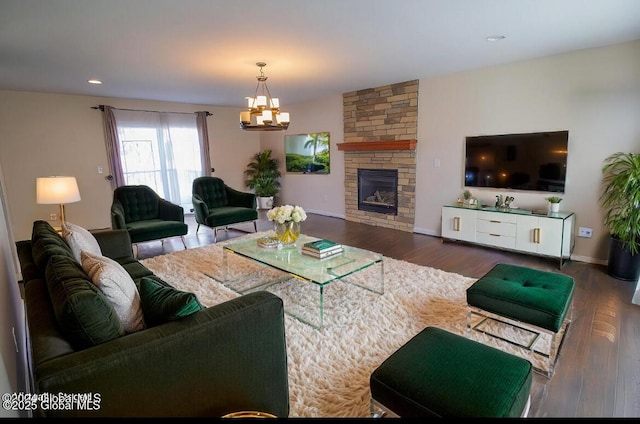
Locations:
532 161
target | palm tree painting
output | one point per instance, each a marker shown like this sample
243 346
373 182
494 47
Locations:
307 153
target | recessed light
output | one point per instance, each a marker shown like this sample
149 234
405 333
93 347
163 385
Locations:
94 81
495 38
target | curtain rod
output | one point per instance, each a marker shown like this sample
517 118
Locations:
101 107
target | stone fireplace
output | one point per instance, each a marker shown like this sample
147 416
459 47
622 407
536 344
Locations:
380 128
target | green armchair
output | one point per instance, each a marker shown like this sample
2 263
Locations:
217 205
145 215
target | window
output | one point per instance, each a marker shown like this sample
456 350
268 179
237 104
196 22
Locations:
160 150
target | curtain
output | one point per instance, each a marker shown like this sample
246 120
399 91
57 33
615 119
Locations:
163 150
113 147
203 136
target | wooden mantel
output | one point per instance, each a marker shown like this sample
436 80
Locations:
363 146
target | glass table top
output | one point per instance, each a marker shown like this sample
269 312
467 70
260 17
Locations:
292 261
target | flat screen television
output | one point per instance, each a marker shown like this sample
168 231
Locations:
532 161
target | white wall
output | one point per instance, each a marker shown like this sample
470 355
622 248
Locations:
316 193
595 94
56 134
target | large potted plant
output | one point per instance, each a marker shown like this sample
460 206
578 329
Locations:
263 176
620 200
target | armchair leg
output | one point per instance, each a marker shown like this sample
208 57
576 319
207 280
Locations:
215 235
255 227
197 228
184 243
134 246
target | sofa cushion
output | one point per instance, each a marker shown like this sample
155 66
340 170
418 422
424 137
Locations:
118 287
42 228
153 229
133 267
80 239
162 303
84 314
45 245
225 215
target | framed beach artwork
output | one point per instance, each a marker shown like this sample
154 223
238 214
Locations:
307 153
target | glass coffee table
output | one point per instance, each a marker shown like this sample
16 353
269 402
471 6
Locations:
300 280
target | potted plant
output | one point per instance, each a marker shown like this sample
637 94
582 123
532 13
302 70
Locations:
554 203
620 199
468 198
263 177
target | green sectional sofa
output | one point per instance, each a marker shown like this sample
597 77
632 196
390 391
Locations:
200 362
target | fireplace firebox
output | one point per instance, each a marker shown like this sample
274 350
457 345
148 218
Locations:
378 190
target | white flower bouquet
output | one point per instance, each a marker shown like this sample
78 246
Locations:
286 213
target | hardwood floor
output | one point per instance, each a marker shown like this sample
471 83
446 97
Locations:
598 371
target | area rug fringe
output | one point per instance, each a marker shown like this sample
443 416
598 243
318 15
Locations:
329 369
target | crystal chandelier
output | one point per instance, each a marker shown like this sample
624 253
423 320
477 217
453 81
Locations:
264 111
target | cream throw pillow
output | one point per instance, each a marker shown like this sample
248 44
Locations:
79 239
118 286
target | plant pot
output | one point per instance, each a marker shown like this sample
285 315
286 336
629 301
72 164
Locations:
622 264
554 207
265 202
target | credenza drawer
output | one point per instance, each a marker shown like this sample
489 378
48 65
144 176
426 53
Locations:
497 216
496 227
492 239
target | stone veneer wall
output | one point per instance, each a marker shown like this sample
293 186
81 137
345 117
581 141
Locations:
382 114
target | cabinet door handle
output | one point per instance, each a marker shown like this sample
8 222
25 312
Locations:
496 222
456 223
536 235
495 235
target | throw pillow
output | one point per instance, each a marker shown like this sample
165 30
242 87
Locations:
118 286
162 303
83 313
80 239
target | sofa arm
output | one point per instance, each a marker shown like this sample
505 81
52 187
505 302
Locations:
241 198
117 216
226 358
168 211
200 209
28 268
114 243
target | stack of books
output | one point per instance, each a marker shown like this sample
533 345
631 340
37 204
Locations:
322 248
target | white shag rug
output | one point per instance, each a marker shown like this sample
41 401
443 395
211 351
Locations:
329 369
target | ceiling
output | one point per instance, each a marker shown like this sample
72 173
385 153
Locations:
204 51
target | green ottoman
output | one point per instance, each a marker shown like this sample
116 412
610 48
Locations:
441 374
537 301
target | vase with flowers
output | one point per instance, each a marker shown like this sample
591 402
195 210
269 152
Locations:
287 221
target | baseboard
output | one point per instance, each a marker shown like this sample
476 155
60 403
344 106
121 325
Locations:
325 213
426 232
588 259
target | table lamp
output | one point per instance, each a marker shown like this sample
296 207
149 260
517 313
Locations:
57 190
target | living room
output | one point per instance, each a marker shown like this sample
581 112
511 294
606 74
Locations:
588 92
592 93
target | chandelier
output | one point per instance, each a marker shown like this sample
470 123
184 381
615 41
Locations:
264 111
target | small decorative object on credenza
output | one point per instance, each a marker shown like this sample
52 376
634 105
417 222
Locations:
322 248
503 203
554 203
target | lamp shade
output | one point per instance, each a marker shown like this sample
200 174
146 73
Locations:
57 190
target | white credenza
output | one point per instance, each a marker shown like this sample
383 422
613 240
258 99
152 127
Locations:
550 234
